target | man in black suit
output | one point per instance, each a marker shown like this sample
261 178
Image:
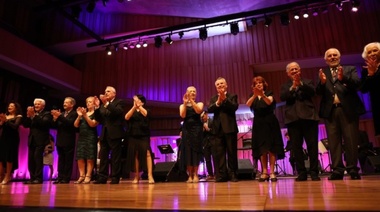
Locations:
224 127
39 122
65 142
111 115
340 107
301 119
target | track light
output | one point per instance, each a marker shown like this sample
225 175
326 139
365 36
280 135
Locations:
339 5
267 21
355 5
284 18
125 47
157 41
234 27
116 47
131 45
138 45
145 44
254 21
203 33
108 50
296 16
91 6
180 34
305 14
169 40
315 12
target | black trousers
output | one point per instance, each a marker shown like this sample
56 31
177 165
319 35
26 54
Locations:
225 154
65 162
298 132
35 162
110 150
207 154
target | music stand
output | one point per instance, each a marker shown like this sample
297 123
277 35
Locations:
165 149
323 147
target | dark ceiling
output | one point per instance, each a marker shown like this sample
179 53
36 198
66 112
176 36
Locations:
204 10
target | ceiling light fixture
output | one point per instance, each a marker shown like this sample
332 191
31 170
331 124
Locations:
296 16
169 40
267 21
158 41
339 5
305 14
284 19
145 44
138 45
108 50
125 47
355 5
180 34
234 28
203 33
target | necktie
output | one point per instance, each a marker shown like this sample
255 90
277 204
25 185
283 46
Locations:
334 74
66 113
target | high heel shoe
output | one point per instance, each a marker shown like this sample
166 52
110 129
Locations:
196 179
135 181
5 181
150 180
263 178
190 180
273 178
87 180
80 180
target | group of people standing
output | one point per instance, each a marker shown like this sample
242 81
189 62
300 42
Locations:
340 107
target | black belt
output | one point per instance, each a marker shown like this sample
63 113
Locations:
337 105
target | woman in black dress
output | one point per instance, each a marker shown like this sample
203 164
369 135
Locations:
9 141
139 152
87 141
192 132
266 135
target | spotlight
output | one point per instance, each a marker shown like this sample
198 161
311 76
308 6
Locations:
305 14
234 27
91 6
116 47
180 34
203 33
355 5
284 18
138 45
267 21
75 11
254 21
108 50
158 41
131 45
145 44
125 47
169 40
315 12
339 5
296 16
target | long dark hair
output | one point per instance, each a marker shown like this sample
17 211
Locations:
17 106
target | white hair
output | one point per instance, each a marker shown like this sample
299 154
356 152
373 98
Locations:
39 100
364 54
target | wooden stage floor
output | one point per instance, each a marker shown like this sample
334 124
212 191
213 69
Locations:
245 195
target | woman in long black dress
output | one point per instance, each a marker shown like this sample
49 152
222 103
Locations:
139 152
86 153
266 135
9 141
192 132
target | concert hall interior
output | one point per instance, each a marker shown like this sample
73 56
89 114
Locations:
52 49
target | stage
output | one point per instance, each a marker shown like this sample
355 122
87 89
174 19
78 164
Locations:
245 195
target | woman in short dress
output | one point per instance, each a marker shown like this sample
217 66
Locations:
87 141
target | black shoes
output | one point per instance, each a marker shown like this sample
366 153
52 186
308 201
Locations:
336 176
315 178
234 178
100 181
221 179
114 181
301 177
355 176
33 182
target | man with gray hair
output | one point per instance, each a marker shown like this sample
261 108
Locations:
301 120
39 122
